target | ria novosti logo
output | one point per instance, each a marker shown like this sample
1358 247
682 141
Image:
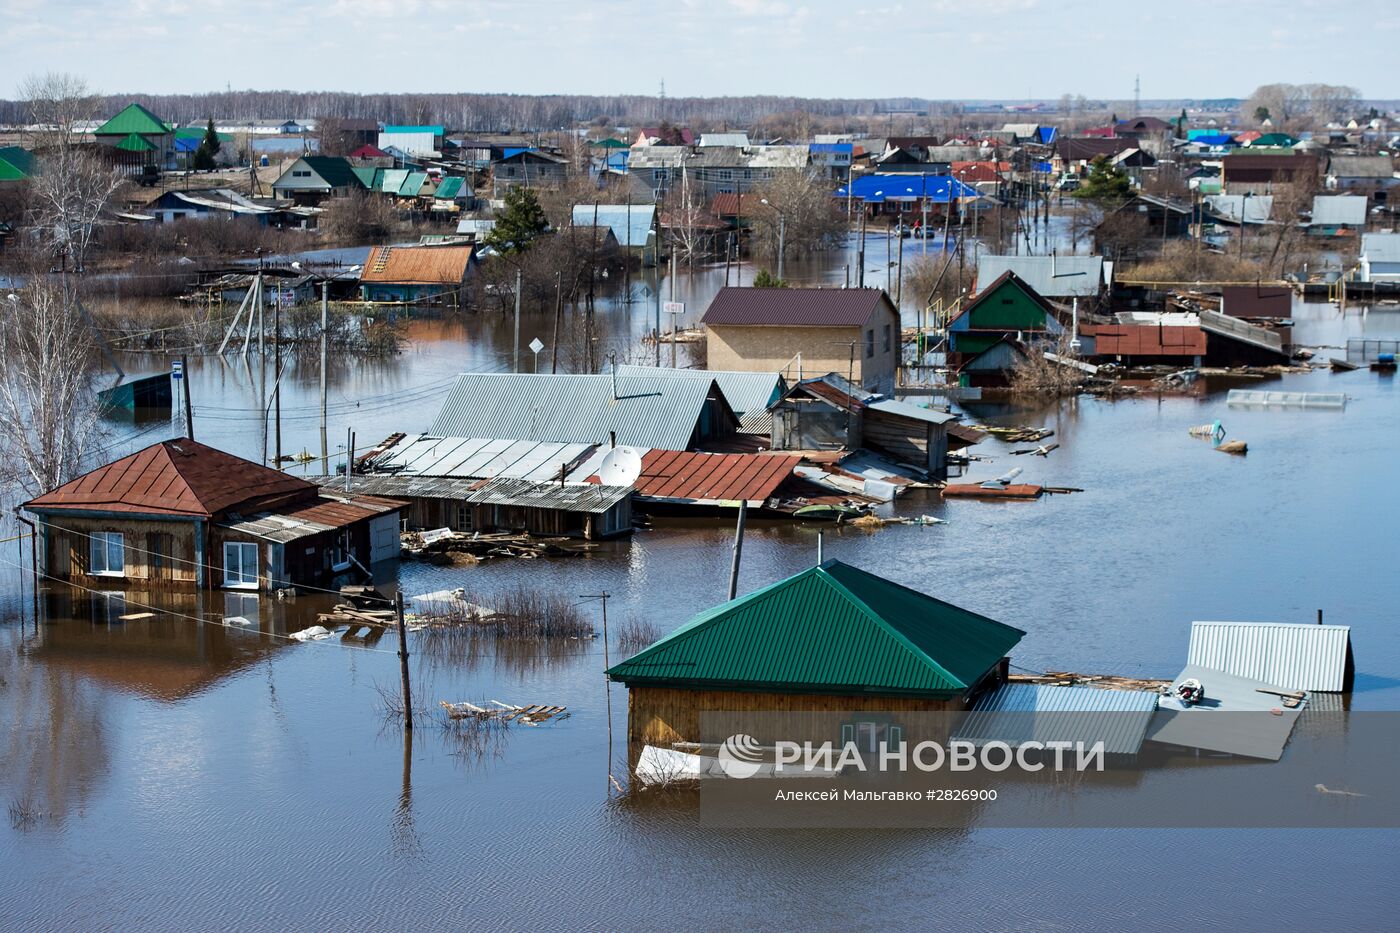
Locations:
740 756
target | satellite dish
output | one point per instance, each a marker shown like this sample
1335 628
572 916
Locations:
621 467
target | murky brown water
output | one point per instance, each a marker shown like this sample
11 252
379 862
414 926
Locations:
167 774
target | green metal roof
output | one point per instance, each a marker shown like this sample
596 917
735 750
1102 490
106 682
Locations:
134 142
413 184
450 188
609 143
134 119
337 171
197 132
830 629
15 163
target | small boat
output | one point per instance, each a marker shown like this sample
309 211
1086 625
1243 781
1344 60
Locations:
992 491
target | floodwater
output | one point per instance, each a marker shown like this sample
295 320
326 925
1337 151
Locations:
164 773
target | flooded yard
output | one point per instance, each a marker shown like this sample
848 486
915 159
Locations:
163 773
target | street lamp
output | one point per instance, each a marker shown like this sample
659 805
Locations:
782 231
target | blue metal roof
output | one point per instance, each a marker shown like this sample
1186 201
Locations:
509 151
878 188
827 148
1046 135
632 226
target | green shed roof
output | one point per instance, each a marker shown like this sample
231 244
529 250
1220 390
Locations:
830 629
134 142
413 184
450 188
134 119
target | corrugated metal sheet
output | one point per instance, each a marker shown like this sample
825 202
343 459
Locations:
724 139
179 477
749 394
795 307
900 409
1234 717
632 226
831 629
1048 276
1011 714
417 265
1256 301
1255 209
312 518
697 477
1331 210
1297 657
481 458
653 412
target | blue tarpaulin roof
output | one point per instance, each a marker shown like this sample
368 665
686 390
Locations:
509 151
1046 135
876 189
1213 139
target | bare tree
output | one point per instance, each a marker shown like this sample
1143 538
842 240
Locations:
73 185
48 404
800 203
689 224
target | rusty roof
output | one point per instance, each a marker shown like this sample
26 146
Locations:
177 477
417 265
672 474
303 519
796 307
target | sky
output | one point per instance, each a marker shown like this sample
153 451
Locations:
935 49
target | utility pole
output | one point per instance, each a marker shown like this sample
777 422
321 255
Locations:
189 406
403 662
277 374
899 279
782 232
607 663
738 549
860 253
674 322
558 313
517 321
325 328
656 287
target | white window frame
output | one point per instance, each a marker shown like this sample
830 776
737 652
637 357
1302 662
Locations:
240 582
102 543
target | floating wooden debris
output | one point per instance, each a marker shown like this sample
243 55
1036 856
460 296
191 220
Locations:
437 548
1239 448
1342 366
364 606
981 491
504 712
1102 681
1017 435
1042 451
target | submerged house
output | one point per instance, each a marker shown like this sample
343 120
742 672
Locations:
180 513
1006 307
846 653
435 274
854 331
830 413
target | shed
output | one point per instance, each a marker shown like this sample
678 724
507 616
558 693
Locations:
655 412
417 273
832 640
1020 713
1295 656
676 482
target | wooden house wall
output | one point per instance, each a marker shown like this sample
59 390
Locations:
426 513
662 716
909 440
67 550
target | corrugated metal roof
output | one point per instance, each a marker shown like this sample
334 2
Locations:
891 406
412 184
133 118
1048 276
392 180
795 307
417 265
632 226
907 186
482 458
1380 247
697 477
830 629
304 519
592 498
724 139
1234 717
1379 166
1012 714
1298 657
749 394
450 188
1338 209
654 412
177 477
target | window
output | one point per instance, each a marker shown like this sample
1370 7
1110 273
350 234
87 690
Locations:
108 554
725 174
240 564
340 557
887 338
869 344
301 173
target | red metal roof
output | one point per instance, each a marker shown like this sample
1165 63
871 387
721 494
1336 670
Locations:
673 474
795 307
178 477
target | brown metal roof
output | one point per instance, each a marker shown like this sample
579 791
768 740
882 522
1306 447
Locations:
417 265
795 307
178 477
672 474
